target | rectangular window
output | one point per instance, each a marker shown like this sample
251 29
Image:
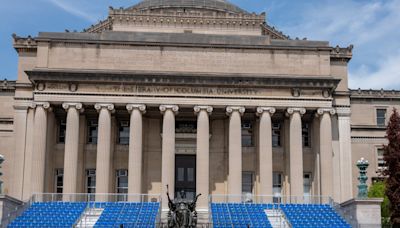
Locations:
247 182
61 131
276 134
307 187
122 184
189 127
306 135
380 161
92 131
59 181
247 134
277 186
381 117
91 183
123 133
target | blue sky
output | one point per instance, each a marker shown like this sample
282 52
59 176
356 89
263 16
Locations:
372 26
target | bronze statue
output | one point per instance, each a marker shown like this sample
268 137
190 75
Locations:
182 212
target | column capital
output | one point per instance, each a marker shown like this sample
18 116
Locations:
208 109
231 109
261 110
140 107
45 105
343 111
77 106
25 106
173 108
99 106
321 111
290 111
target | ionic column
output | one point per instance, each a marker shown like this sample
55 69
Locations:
168 151
265 150
296 152
20 133
203 154
135 149
235 150
39 149
325 150
103 163
346 179
27 193
71 148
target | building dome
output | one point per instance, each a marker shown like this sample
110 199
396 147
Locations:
217 5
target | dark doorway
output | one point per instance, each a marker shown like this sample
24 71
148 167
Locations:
185 175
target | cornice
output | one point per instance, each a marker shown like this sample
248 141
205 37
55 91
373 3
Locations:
185 78
342 54
6 85
374 94
24 44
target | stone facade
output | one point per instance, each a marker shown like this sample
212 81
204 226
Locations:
257 111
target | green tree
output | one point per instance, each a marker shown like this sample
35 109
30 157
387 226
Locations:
377 190
392 172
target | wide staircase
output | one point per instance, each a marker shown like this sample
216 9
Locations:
244 215
50 214
89 214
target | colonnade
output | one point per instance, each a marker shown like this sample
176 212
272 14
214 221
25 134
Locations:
104 155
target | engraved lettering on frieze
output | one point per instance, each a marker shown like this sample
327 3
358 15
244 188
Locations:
57 86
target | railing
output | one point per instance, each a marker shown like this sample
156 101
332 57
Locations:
270 199
89 197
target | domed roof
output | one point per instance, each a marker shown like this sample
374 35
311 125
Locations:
218 5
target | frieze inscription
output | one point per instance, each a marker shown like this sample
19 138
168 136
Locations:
141 89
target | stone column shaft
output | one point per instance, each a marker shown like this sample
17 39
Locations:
39 150
27 193
20 129
168 151
344 123
71 148
265 150
103 160
235 150
135 149
296 152
203 154
326 158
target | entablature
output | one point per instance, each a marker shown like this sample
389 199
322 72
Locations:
187 79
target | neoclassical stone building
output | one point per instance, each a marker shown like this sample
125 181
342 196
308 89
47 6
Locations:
202 96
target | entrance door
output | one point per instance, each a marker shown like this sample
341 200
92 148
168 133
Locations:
185 175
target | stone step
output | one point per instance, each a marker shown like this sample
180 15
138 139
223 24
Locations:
277 218
90 217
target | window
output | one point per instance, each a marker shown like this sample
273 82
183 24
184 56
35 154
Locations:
277 186
91 183
123 133
306 135
247 134
186 127
61 131
276 134
380 161
381 117
122 184
59 181
92 131
247 182
307 187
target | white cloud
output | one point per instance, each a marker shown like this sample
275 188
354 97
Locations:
372 26
387 76
69 8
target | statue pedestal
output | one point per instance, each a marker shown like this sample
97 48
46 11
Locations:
8 205
362 212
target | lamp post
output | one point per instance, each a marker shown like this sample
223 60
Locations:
362 165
